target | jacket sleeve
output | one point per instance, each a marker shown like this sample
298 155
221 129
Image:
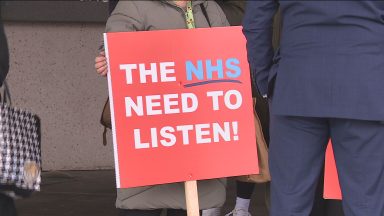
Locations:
216 14
233 10
125 18
257 28
4 56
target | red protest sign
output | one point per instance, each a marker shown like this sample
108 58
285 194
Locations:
181 105
331 179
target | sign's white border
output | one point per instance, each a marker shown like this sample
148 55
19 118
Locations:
115 152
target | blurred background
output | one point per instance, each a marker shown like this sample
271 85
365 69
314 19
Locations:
52 48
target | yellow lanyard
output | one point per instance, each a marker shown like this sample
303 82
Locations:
189 16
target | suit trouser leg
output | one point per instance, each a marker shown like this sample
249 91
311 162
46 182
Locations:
325 207
319 204
297 152
359 153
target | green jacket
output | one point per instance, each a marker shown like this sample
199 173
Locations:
234 10
161 15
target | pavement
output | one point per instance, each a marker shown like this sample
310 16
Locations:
93 193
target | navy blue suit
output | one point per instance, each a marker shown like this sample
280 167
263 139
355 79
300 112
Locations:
325 81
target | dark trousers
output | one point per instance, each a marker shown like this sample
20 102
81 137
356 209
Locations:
155 212
7 206
297 152
323 207
244 190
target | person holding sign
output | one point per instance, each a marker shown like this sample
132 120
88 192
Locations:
131 16
325 81
234 11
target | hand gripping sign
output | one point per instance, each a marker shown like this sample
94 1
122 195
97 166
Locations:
181 105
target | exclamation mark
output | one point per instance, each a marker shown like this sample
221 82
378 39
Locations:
235 131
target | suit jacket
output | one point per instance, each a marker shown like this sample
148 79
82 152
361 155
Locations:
331 57
4 58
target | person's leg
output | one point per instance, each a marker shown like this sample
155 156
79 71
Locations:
323 207
334 208
135 212
319 206
7 206
211 212
359 149
244 191
297 153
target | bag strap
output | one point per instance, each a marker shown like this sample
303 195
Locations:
205 14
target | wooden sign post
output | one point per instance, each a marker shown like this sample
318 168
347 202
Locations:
192 198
